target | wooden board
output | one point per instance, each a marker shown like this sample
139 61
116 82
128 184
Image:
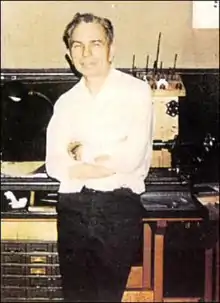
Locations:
161 158
16 169
166 128
138 296
29 229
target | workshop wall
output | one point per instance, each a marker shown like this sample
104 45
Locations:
31 34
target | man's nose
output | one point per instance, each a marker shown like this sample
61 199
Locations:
86 51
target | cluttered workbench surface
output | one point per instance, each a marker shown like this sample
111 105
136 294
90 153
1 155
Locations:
166 190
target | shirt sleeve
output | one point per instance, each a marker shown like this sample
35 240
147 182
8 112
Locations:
57 158
136 150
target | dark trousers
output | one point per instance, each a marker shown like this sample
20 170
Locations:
98 238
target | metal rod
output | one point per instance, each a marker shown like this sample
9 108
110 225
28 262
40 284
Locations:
157 54
133 65
147 64
174 64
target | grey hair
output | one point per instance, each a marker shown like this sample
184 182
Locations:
88 18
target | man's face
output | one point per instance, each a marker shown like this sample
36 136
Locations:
90 51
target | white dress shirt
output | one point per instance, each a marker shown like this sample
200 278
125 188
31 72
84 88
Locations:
118 121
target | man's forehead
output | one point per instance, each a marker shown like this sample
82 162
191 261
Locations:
89 32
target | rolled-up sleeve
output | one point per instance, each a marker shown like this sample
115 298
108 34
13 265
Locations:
136 149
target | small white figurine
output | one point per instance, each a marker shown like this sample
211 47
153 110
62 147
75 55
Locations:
20 203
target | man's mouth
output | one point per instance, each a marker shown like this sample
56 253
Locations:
88 64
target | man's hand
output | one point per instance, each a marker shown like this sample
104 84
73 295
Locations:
75 150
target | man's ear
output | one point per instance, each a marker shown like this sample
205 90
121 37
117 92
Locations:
69 59
112 52
71 65
68 53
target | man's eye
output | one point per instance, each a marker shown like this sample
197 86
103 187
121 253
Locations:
76 45
97 44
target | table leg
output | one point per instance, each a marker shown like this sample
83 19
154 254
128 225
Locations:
159 261
147 256
208 274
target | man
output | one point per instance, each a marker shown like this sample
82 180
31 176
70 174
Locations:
99 145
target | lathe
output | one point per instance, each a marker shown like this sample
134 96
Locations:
30 268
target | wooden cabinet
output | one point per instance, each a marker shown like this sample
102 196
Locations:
30 265
29 260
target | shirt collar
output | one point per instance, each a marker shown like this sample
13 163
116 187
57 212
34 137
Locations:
105 85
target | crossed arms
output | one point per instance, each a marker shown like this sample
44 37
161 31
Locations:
64 161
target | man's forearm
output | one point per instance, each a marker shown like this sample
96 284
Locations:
89 171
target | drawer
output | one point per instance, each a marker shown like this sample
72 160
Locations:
34 258
39 247
46 281
37 281
28 246
44 294
37 292
13 281
43 258
40 270
38 259
12 247
13 269
13 292
13 258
